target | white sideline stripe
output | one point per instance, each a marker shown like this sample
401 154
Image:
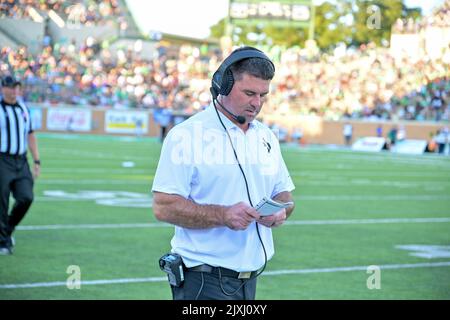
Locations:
94 155
316 182
266 273
366 221
358 155
97 170
301 198
121 182
375 198
94 226
289 222
87 282
357 268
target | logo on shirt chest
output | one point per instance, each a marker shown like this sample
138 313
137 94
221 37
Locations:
267 145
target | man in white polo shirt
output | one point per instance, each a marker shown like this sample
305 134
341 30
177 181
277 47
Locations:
213 170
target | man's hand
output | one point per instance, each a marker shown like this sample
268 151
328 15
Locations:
36 170
239 216
274 220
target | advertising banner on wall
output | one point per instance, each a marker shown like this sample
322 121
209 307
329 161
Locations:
410 146
129 122
65 119
36 118
371 144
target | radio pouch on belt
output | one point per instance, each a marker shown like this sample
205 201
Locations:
172 264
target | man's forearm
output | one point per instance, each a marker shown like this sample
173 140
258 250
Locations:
185 213
32 145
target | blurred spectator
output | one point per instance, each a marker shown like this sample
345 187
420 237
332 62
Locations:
139 126
348 133
379 131
297 135
392 137
280 132
401 133
163 117
442 139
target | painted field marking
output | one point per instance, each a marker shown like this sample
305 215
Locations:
287 223
266 273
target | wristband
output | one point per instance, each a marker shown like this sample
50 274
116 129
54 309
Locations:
38 162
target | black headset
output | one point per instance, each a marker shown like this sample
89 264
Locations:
223 80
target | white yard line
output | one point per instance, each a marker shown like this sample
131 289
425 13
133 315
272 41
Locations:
375 183
98 170
359 268
122 182
322 181
325 170
304 198
367 221
266 273
90 155
358 155
93 226
328 173
84 283
375 198
287 223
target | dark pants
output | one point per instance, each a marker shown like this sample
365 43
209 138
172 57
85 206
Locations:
15 178
348 140
208 286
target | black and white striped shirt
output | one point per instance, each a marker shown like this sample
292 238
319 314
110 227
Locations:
15 125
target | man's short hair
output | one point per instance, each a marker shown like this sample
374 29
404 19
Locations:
257 67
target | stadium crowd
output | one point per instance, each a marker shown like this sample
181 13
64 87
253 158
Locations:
365 83
87 12
88 76
368 82
439 18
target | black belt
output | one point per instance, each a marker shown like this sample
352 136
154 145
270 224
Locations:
224 272
14 156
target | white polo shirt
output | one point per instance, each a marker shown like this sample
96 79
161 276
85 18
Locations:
197 162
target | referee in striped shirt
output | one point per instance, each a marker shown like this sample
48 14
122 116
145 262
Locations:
16 134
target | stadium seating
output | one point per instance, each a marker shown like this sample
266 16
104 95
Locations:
364 83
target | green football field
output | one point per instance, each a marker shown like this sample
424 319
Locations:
366 226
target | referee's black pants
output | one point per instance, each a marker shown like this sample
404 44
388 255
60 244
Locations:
15 178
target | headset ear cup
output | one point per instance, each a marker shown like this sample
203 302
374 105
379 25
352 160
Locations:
215 85
227 83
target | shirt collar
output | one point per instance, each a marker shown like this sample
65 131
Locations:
16 104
